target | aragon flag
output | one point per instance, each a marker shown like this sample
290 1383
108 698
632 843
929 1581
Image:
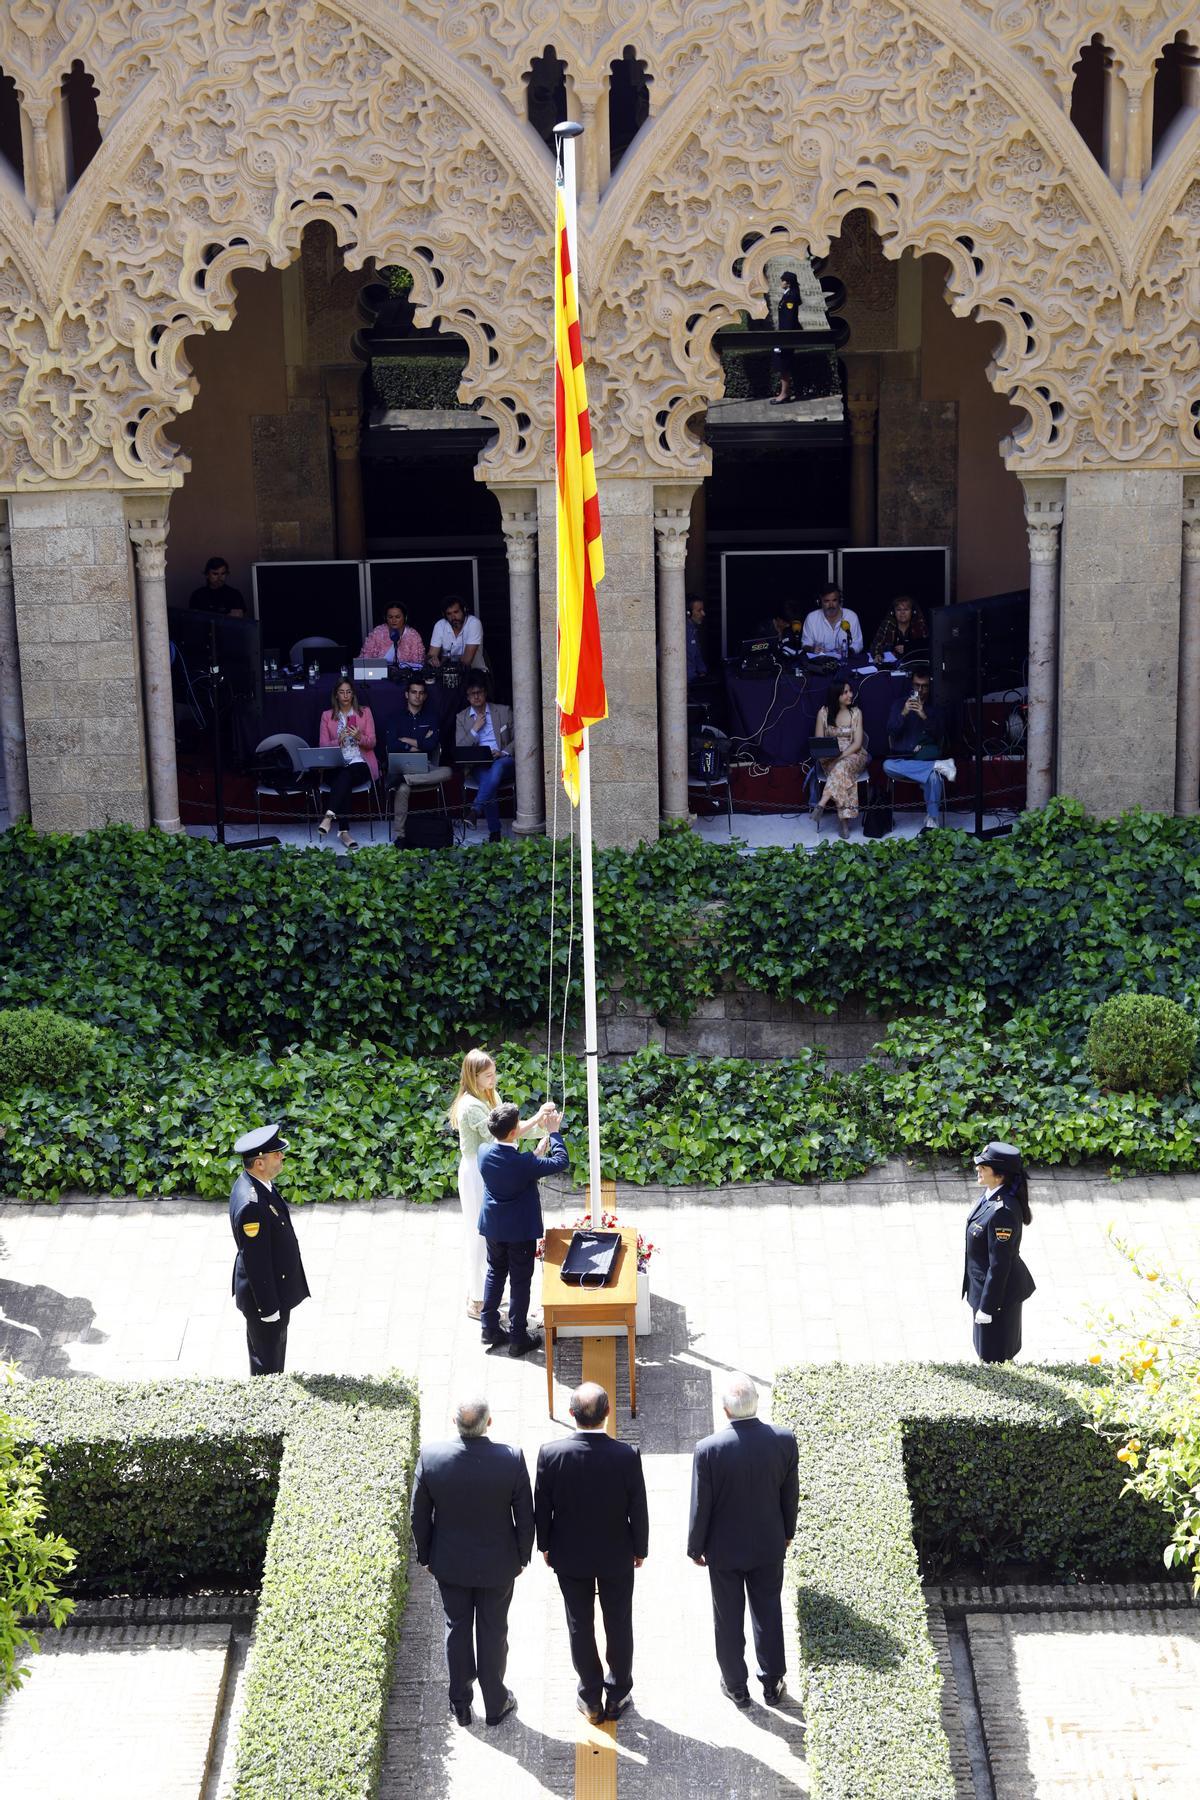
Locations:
582 700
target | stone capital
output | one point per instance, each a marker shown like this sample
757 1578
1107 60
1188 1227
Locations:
520 541
1191 527
146 522
347 429
671 527
1043 518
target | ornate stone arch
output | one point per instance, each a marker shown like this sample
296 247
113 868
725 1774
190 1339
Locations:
954 145
216 160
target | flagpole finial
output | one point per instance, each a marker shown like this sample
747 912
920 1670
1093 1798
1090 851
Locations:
570 128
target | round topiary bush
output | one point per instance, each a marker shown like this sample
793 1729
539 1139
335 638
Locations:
44 1047
1142 1042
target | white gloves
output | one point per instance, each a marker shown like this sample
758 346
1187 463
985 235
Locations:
982 1318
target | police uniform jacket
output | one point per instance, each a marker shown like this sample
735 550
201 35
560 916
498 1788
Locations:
993 1272
268 1276
512 1208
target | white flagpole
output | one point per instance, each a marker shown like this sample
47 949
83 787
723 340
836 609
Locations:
565 174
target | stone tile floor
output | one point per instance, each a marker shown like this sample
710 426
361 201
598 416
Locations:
864 1272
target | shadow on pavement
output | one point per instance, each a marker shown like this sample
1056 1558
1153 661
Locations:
36 1325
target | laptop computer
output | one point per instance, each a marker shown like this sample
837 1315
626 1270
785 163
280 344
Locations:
826 746
475 756
327 758
407 762
370 669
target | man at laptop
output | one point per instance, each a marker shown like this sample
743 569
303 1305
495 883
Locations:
482 725
394 642
415 733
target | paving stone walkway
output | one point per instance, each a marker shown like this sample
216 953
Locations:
862 1272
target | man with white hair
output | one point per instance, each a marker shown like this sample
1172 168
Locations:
745 1492
472 1522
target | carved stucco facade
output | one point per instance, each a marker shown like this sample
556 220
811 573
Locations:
230 126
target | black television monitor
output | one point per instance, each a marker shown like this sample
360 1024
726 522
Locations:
236 645
294 600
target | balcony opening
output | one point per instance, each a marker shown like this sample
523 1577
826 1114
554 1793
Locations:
1089 96
83 136
546 93
628 102
11 148
1176 94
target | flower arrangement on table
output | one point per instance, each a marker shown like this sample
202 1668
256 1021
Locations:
610 1222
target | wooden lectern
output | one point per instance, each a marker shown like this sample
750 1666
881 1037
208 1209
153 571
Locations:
613 1304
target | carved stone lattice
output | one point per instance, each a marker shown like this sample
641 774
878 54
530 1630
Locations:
229 125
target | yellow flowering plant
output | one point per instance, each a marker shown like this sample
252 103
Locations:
1149 1404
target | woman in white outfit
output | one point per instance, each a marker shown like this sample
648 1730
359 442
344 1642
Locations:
473 1102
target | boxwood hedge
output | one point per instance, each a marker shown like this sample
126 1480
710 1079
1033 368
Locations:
946 1463
301 1482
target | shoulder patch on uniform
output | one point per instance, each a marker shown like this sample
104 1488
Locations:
1003 1232
252 1228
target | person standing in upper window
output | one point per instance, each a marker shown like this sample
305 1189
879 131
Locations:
459 634
831 628
787 319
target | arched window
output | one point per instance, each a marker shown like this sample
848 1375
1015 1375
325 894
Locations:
81 119
1176 92
10 126
1089 98
628 102
546 93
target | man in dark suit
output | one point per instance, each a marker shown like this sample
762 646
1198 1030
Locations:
593 1528
510 1220
745 1491
472 1522
268 1276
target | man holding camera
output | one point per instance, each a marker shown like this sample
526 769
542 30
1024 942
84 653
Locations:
510 1221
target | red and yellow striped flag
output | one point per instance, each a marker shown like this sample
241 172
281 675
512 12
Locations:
582 700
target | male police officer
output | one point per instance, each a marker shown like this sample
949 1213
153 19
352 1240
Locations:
268 1276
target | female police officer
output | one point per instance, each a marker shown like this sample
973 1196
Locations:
995 1280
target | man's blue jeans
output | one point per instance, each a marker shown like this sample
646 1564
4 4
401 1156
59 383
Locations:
925 776
489 781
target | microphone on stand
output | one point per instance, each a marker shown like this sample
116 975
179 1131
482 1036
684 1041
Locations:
845 646
394 634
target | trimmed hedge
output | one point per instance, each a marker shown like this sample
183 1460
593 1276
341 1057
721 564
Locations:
1142 1042
175 1484
39 1045
174 940
963 1461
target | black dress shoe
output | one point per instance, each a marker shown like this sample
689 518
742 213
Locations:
593 1714
523 1345
740 1697
510 1705
773 1691
463 1715
613 1708
495 1340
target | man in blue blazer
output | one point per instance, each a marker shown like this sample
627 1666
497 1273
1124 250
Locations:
593 1528
745 1492
510 1220
472 1523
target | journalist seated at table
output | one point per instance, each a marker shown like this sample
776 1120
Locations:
831 628
395 641
350 727
917 735
483 725
417 732
903 632
458 636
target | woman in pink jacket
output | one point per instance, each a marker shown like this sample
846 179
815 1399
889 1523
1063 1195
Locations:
349 727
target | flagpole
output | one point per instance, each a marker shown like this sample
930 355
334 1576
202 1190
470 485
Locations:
565 135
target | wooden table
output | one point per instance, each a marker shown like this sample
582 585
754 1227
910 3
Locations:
614 1304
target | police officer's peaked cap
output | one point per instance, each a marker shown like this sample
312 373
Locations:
1004 1158
260 1141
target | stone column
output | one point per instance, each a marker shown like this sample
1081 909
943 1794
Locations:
519 522
147 520
80 680
1043 520
12 710
1187 741
1119 621
345 424
672 519
625 746
862 405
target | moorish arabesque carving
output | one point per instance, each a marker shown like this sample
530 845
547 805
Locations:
230 125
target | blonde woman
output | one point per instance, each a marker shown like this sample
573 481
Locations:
473 1102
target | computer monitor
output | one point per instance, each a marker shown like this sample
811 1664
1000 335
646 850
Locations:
235 643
